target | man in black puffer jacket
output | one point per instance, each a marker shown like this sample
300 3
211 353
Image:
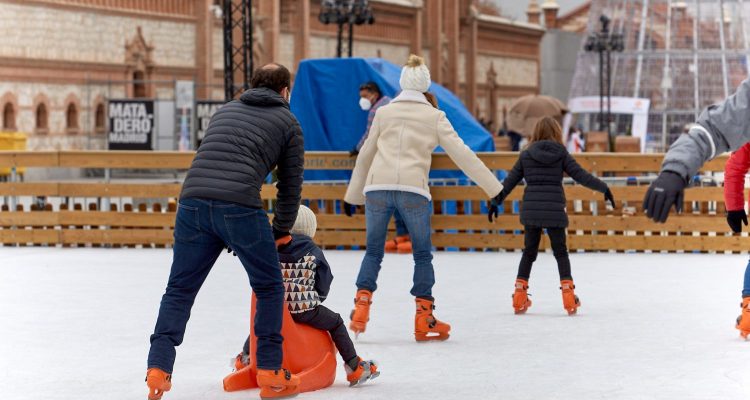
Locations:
220 206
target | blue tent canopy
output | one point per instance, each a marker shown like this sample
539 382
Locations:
325 100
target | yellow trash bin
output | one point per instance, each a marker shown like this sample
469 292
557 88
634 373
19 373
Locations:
14 141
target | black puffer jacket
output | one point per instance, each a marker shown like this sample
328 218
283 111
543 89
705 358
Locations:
542 165
245 140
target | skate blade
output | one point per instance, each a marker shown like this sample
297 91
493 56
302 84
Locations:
361 381
155 394
524 309
435 338
277 392
356 328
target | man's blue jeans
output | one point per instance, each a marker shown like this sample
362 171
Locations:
746 288
202 229
415 210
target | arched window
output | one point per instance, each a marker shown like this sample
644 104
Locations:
9 117
41 118
139 85
99 122
71 118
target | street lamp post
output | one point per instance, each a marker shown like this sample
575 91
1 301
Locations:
605 42
345 12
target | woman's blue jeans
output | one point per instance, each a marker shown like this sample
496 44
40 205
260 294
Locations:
415 210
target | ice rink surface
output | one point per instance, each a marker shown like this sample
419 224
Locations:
74 325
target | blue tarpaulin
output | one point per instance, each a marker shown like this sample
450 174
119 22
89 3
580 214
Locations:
325 99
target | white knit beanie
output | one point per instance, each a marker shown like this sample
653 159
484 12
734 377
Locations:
306 224
415 75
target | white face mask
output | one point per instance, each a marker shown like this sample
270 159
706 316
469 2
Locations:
365 104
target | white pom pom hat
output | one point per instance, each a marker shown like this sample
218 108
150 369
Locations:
306 223
415 75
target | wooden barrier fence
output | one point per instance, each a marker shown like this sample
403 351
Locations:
592 226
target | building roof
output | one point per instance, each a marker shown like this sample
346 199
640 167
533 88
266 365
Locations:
507 21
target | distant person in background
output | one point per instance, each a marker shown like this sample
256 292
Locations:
370 100
576 144
515 137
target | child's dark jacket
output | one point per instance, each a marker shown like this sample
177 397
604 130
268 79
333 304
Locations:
306 273
543 165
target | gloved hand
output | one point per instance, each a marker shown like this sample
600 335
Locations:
281 237
494 203
353 152
608 197
734 218
349 209
667 190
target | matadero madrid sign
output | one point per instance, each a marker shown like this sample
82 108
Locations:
131 124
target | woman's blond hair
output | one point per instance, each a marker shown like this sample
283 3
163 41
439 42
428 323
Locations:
547 128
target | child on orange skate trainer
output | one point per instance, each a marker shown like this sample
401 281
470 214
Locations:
307 280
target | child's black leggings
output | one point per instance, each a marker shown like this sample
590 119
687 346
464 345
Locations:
324 319
531 248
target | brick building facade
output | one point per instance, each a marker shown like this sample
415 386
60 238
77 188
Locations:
60 60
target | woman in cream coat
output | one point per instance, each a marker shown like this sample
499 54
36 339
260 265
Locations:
390 174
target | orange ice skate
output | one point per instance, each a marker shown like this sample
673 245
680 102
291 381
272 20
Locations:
361 313
366 371
570 300
158 382
521 301
278 384
426 326
743 321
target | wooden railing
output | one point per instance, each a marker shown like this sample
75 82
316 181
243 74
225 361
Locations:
592 226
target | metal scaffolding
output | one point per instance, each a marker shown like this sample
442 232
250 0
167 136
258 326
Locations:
682 55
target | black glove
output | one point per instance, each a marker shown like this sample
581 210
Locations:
353 152
349 209
667 190
277 234
494 203
734 218
608 197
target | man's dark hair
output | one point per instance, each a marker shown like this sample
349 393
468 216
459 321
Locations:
273 76
371 87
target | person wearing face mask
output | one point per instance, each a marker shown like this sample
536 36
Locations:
370 100
220 206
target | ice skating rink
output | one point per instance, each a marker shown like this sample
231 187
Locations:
74 324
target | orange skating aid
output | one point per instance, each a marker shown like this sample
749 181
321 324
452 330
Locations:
570 300
366 371
361 313
309 354
521 301
158 382
743 321
426 326
278 384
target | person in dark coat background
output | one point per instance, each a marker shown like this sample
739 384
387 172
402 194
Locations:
542 165
220 206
